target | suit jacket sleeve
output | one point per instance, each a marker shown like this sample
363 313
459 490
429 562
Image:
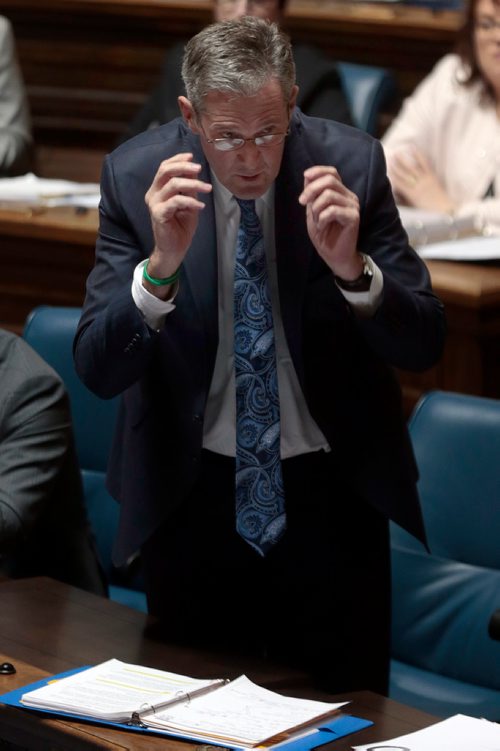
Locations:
15 129
408 329
35 434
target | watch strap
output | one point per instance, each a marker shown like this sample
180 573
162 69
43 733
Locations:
362 283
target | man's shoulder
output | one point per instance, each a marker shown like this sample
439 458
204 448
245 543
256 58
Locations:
315 141
169 139
323 134
20 364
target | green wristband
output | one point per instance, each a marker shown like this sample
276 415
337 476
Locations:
160 282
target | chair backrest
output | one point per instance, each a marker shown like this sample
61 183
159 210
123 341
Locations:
369 89
443 601
50 330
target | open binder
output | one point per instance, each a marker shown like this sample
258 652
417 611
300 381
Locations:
234 714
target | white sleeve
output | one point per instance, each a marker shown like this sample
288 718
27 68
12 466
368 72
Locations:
366 303
152 308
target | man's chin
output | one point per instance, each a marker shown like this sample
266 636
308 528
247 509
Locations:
249 188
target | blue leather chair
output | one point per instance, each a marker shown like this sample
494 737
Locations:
446 603
50 331
369 89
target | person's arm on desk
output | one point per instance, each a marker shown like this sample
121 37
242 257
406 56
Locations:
442 148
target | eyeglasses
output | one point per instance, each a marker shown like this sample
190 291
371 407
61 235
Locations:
231 144
486 25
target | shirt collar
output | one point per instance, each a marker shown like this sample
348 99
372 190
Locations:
225 201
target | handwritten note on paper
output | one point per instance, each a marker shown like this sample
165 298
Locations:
457 733
237 713
243 713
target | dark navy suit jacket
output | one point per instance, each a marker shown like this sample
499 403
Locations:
344 362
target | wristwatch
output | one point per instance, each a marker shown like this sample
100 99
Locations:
362 283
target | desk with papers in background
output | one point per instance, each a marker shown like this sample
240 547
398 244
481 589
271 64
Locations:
465 271
47 240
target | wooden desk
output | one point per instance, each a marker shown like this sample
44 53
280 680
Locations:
471 360
47 627
45 260
89 64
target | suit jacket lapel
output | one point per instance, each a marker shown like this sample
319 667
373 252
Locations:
293 246
200 278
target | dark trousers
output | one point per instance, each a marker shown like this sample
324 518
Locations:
319 601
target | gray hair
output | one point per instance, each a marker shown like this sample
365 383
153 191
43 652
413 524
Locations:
237 57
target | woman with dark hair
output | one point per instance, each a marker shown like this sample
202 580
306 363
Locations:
443 149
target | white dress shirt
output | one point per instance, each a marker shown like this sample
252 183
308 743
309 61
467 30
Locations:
299 432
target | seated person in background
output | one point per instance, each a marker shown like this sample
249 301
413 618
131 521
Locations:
320 87
443 149
16 142
43 526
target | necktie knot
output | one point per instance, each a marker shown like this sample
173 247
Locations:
249 221
247 205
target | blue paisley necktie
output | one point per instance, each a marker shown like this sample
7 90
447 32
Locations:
260 503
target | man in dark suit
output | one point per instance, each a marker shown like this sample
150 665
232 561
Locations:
350 299
44 529
320 88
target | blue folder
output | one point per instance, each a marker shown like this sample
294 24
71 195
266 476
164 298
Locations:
331 731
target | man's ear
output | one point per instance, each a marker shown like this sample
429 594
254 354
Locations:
188 113
293 98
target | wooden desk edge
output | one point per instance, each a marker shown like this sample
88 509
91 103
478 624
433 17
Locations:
366 704
62 224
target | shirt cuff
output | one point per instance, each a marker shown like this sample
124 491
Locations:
153 309
366 303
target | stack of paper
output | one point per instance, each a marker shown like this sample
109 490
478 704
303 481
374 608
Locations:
457 733
238 714
466 249
426 227
30 190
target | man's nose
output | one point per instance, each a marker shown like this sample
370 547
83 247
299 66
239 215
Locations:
249 154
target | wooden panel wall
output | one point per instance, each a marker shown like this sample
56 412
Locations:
88 64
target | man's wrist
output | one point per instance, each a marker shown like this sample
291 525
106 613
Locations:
159 286
362 282
160 282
